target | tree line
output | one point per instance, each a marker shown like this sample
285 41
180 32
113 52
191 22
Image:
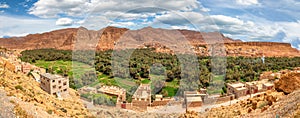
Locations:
138 62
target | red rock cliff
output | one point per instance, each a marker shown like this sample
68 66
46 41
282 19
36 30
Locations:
163 40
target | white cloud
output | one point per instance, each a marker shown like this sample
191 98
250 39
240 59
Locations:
126 16
4 5
64 22
291 28
52 8
226 20
94 22
21 26
264 30
123 24
180 18
182 27
233 26
247 2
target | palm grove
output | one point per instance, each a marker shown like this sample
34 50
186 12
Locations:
138 65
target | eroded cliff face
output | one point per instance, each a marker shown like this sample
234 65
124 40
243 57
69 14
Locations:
54 39
268 49
163 40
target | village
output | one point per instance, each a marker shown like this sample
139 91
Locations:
58 86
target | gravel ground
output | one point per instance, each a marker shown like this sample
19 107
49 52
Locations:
6 107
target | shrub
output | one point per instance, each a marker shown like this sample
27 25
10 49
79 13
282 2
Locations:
63 110
19 87
262 104
49 111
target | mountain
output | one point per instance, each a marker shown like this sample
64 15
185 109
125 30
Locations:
163 40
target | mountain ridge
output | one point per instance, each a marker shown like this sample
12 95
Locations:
163 40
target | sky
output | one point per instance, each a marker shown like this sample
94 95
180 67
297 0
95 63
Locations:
248 20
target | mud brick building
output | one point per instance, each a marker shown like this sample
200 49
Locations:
238 89
26 67
54 84
268 86
142 96
192 99
114 91
252 87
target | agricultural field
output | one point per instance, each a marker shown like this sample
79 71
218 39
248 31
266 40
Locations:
212 74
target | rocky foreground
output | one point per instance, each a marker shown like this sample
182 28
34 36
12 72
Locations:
23 97
284 102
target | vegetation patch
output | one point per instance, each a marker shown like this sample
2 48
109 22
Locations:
145 81
171 91
141 60
19 87
100 99
21 113
216 85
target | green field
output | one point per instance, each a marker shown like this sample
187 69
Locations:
71 68
101 99
169 89
215 86
145 81
125 83
80 74
77 69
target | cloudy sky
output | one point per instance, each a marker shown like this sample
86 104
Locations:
248 20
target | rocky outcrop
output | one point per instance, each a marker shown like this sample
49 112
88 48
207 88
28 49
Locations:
288 83
286 107
30 100
163 40
256 105
189 114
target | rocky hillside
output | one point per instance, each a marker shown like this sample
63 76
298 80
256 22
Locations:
54 39
284 102
269 49
162 40
288 83
21 96
286 107
254 105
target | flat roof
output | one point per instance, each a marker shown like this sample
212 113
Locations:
112 90
143 91
158 96
194 95
251 83
51 76
243 88
236 85
193 99
268 84
35 75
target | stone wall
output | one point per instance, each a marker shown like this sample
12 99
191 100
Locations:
140 104
160 103
225 98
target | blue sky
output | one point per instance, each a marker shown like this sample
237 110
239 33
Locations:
248 20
